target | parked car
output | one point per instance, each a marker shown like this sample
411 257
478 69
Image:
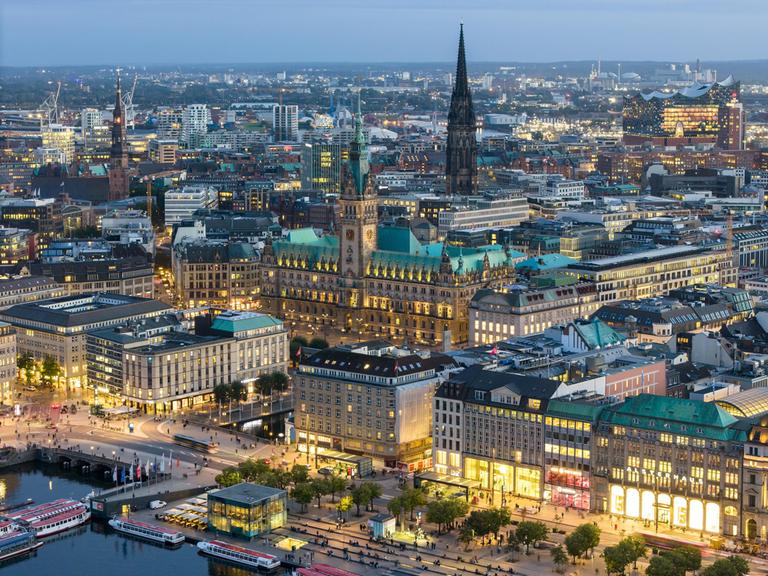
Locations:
326 471
157 504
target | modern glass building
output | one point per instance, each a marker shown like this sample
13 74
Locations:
247 510
699 114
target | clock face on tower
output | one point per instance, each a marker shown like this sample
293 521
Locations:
350 234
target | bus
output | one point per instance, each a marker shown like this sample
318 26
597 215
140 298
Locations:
669 542
195 443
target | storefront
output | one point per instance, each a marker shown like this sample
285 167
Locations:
508 479
567 488
673 511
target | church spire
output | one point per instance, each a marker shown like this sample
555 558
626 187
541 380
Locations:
118 153
358 154
461 148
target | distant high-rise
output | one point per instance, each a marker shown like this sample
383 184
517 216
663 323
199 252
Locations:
285 119
118 152
461 152
194 120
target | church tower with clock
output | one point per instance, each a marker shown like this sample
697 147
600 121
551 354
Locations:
358 220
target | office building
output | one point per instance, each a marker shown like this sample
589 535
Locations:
169 124
16 245
369 398
194 120
655 272
61 138
163 151
285 122
461 147
181 204
57 327
41 216
522 310
8 372
486 213
21 289
321 166
672 462
128 227
707 114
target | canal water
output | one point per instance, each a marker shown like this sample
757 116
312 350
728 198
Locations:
94 548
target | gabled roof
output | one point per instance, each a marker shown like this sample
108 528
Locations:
597 334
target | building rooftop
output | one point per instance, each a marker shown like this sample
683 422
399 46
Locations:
745 404
246 493
639 257
231 321
72 311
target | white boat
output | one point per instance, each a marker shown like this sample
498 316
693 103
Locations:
16 543
43 511
64 520
147 531
239 555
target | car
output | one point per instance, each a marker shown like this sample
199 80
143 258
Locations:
326 471
157 504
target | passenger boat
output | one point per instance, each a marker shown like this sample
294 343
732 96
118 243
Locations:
42 511
17 543
239 555
147 531
8 526
65 519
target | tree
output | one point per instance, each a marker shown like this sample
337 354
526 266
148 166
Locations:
628 551
319 343
466 535
375 491
238 390
254 470
445 512
303 494
364 494
499 517
413 498
731 566
664 566
530 532
228 477
25 362
396 507
585 537
559 558
279 381
336 484
344 504
49 371
221 393
320 488
689 557
299 474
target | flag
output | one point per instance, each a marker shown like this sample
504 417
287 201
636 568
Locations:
146 469
122 475
130 473
298 352
114 475
495 350
178 462
162 464
138 469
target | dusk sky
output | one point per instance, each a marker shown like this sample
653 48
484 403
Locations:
71 32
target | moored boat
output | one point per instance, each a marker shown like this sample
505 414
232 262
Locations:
16 543
64 520
147 531
239 555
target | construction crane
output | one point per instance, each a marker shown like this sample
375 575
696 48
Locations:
130 110
49 109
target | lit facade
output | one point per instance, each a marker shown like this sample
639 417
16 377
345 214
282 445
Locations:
699 114
670 462
247 510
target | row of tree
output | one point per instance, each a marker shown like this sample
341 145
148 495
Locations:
49 370
266 385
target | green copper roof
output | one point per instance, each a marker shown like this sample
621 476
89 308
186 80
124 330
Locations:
574 410
675 416
597 334
304 243
545 262
243 322
302 236
397 239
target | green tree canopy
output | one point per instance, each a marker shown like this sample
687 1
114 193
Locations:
689 557
303 494
559 558
628 551
445 512
229 477
664 566
731 566
319 343
530 532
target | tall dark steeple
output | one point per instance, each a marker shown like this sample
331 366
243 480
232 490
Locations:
118 152
461 151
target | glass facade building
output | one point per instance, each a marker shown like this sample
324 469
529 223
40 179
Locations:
247 510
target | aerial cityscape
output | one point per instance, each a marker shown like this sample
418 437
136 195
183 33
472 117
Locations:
382 292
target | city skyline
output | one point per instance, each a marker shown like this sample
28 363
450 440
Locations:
188 32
